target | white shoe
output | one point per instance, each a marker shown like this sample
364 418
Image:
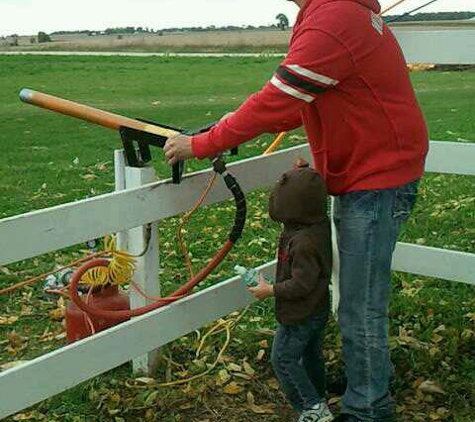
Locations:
318 413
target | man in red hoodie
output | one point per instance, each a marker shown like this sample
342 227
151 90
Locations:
346 81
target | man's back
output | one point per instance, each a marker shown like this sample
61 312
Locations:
370 124
345 79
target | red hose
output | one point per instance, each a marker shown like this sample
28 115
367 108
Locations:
178 294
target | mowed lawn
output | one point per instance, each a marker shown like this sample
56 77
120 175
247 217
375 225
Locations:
47 160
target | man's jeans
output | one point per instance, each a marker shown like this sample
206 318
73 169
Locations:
297 357
368 224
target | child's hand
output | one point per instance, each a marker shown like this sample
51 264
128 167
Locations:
263 290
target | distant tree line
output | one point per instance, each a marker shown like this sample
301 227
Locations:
439 16
139 30
282 23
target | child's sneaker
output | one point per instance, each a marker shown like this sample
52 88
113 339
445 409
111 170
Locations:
318 413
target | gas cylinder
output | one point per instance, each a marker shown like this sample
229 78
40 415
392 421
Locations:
78 323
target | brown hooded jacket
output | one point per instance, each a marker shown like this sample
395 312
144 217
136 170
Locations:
299 201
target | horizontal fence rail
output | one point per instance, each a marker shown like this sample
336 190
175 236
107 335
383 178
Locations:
439 47
435 262
58 227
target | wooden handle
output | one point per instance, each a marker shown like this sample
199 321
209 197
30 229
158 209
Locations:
90 114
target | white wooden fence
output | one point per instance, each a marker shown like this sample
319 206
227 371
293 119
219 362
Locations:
29 235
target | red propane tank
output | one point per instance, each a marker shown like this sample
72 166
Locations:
78 323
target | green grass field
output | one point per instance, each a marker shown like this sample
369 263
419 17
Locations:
47 160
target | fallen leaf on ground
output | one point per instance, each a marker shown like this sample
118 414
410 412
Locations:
264 332
264 344
260 410
260 354
56 314
145 380
233 388
234 367
248 369
8 320
5 271
10 365
31 416
89 177
273 383
223 377
243 376
60 336
14 339
431 387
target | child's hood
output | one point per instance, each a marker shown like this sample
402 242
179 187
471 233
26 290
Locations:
299 197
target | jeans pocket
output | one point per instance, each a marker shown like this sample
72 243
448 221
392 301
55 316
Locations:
404 201
361 204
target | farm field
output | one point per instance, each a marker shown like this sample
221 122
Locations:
261 41
48 160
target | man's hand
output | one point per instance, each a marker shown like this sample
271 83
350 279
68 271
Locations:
178 148
263 290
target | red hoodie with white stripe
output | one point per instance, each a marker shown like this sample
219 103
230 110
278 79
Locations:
345 79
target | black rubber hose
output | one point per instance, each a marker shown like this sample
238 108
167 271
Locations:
241 207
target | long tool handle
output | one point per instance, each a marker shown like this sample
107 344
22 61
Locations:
90 114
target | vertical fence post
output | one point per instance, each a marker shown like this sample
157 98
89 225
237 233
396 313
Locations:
119 169
134 241
336 262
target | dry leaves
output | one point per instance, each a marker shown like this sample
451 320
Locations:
223 377
8 320
264 344
405 339
260 410
89 177
248 369
233 388
273 383
14 339
233 367
10 365
260 354
430 387
145 380
56 314
30 416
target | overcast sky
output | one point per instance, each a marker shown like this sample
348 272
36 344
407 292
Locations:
27 17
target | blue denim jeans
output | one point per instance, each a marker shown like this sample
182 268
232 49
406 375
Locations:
297 358
368 225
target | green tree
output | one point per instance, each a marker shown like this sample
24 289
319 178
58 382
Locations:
283 21
43 37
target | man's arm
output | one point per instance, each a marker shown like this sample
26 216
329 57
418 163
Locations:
316 63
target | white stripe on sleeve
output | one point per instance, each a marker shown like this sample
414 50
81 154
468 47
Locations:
290 91
312 75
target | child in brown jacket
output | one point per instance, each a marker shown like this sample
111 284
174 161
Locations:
299 201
